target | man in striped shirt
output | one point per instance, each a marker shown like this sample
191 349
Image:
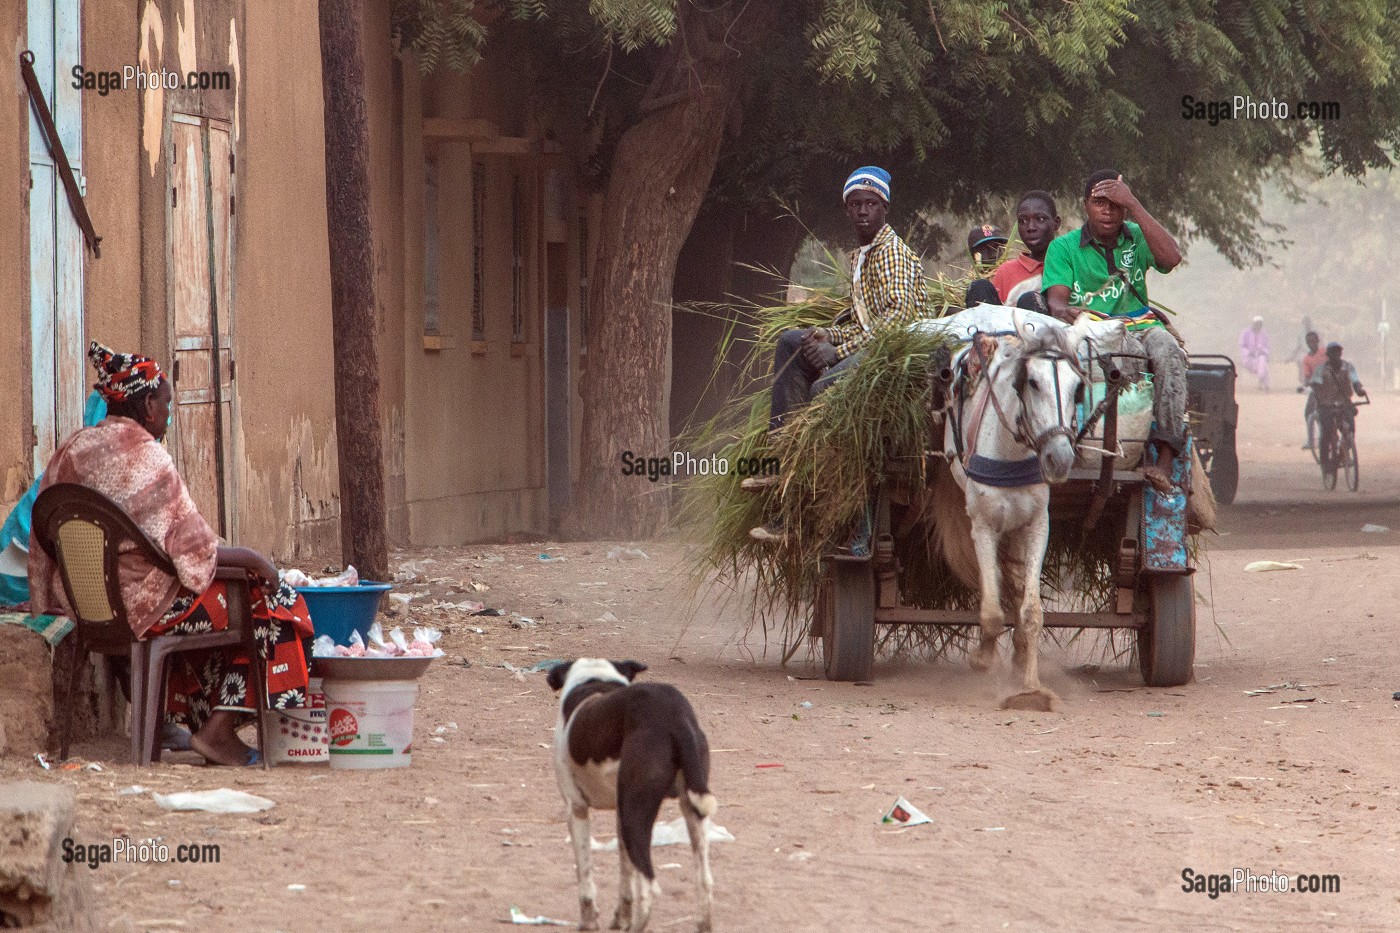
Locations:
1101 269
887 290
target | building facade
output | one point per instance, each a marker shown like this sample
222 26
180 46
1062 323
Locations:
195 137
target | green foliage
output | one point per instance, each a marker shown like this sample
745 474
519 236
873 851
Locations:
969 100
845 41
636 23
443 32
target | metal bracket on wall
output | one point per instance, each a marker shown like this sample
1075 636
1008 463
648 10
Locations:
60 158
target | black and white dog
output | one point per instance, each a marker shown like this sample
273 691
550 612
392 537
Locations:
627 747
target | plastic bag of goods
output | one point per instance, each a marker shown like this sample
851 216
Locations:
1134 423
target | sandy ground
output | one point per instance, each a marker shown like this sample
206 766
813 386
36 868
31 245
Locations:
1078 820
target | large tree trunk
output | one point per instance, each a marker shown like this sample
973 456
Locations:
720 266
660 173
363 540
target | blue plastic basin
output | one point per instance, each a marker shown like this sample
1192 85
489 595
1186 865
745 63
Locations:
339 610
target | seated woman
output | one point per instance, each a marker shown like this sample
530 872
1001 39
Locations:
122 457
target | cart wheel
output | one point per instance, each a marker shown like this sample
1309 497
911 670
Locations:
1167 643
823 611
848 648
1225 468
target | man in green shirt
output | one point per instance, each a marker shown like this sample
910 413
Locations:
1101 269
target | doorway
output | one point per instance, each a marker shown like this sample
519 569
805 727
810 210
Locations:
200 301
57 364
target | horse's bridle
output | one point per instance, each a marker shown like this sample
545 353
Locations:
1021 430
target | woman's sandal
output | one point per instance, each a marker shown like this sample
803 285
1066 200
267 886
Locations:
253 756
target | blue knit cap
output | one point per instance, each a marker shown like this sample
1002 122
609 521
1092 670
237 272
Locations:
869 178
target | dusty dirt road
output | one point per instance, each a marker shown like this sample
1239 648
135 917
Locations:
1079 820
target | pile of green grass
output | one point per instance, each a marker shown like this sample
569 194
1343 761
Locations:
832 452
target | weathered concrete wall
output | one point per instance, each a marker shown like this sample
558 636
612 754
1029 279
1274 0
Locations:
283 430
290 497
475 426
283 413
464 424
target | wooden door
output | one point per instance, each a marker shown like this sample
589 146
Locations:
57 365
201 320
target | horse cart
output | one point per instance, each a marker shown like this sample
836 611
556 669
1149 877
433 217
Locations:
1139 534
1210 384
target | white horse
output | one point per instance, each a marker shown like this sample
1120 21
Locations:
1014 438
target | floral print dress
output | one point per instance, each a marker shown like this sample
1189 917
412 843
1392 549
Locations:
201 682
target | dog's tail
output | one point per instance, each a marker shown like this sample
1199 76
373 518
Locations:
694 758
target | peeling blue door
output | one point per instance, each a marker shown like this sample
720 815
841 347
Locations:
56 256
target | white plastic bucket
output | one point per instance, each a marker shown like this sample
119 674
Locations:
370 722
299 735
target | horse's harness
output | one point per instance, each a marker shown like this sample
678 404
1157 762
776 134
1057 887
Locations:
1020 428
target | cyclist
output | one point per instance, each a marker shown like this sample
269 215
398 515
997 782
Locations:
1306 367
1333 384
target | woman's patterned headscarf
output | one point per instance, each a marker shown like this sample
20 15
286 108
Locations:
122 376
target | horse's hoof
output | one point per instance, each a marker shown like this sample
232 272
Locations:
980 664
1035 701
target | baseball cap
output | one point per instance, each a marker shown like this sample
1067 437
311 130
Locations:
985 233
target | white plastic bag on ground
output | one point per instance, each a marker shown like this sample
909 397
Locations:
670 834
520 918
222 800
1263 566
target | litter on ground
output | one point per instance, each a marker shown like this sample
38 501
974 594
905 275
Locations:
518 917
904 813
670 834
1263 566
222 800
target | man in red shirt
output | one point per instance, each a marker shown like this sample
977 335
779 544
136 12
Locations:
1037 223
1315 358
1016 282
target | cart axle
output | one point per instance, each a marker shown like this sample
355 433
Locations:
955 617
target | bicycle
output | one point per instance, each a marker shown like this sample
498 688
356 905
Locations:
1336 444
1315 432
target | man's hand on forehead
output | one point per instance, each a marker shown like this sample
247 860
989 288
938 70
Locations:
1115 190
